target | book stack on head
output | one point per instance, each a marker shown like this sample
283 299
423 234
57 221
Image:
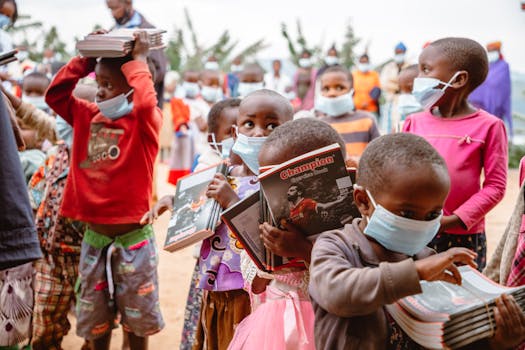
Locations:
117 43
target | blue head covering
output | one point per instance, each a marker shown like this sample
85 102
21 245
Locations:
400 46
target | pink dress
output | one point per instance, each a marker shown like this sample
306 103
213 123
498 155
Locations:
285 320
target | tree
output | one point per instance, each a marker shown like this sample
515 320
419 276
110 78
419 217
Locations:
295 52
349 43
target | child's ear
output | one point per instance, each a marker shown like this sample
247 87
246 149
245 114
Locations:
210 138
234 132
362 202
461 79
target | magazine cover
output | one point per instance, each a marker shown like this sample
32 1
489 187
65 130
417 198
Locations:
194 214
312 191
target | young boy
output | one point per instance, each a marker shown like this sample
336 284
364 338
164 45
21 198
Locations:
405 103
115 140
472 141
357 128
383 257
251 79
211 90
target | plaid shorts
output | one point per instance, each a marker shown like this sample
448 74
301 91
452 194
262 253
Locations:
54 297
118 276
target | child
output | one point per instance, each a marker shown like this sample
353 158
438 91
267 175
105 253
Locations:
405 103
251 79
34 87
471 140
383 257
211 90
357 128
225 303
109 188
290 286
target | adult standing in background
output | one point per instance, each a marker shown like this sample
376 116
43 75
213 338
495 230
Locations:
276 80
304 81
494 95
127 17
367 88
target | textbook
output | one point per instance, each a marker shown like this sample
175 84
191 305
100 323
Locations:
117 43
446 315
314 191
194 215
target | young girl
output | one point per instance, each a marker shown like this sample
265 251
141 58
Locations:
383 257
471 140
286 313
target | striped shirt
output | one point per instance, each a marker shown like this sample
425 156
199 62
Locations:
357 129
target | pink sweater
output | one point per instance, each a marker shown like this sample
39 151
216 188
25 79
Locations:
469 145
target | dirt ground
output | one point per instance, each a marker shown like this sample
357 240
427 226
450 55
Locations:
175 269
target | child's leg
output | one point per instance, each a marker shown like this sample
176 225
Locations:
101 343
136 342
192 312
476 242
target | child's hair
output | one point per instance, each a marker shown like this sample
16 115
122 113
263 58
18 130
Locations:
215 112
15 14
286 106
411 68
252 68
301 136
465 54
395 151
116 62
37 75
338 69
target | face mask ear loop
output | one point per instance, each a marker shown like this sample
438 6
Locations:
214 144
371 199
129 93
450 81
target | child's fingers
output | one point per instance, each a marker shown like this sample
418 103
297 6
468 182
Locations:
453 275
145 219
514 317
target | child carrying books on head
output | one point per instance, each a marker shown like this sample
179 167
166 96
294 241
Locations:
288 288
381 258
471 140
109 187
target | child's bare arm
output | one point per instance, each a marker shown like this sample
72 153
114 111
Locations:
220 190
165 203
441 267
289 243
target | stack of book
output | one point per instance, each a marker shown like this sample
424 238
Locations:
312 192
8 57
446 315
117 43
194 214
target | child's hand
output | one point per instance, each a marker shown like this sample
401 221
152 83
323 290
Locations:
158 209
352 161
141 46
450 221
259 284
441 267
289 243
220 190
510 323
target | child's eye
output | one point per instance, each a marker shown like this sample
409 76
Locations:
407 214
433 215
271 126
248 124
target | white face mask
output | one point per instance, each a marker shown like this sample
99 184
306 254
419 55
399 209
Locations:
37 101
426 93
407 104
235 68
211 94
248 149
245 89
399 58
493 56
22 55
331 60
305 62
211 65
363 67
191 90
116 107
335 106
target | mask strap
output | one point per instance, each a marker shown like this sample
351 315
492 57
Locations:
371 198
214 143
236 128
129 93
450 81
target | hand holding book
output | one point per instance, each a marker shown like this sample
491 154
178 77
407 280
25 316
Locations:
141 48
441 267
510 324
220 190
289 242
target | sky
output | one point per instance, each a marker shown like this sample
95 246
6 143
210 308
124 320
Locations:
380 24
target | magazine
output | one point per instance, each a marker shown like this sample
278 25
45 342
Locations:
313 191
194 214
452 316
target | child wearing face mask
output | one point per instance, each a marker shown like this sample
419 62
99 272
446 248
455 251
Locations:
251 79
335 104
367 87
471 140
382 258
405 103
109 188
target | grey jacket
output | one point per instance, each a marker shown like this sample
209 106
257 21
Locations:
351 279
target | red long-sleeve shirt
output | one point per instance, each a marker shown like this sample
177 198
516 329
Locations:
111 173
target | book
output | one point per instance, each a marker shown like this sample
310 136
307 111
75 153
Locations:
194 215
452 316
117 43
314 191
8 57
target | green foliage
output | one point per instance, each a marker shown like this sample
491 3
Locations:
182 57
516 152
300 41
347 51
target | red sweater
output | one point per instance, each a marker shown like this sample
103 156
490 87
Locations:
111 173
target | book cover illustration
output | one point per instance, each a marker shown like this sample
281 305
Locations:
194 214
313 192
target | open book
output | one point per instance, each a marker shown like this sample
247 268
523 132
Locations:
194 214
117 43
447 315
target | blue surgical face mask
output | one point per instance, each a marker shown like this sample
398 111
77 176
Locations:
224 147
407 104
335 106
399 58
64 131
116 107
426 92
493 56
191 90
37 101
247 88
211 94
399 234
331 60
363 67
4 20
248 149
305 62
211 65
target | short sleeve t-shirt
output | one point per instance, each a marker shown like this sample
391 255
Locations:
303 212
